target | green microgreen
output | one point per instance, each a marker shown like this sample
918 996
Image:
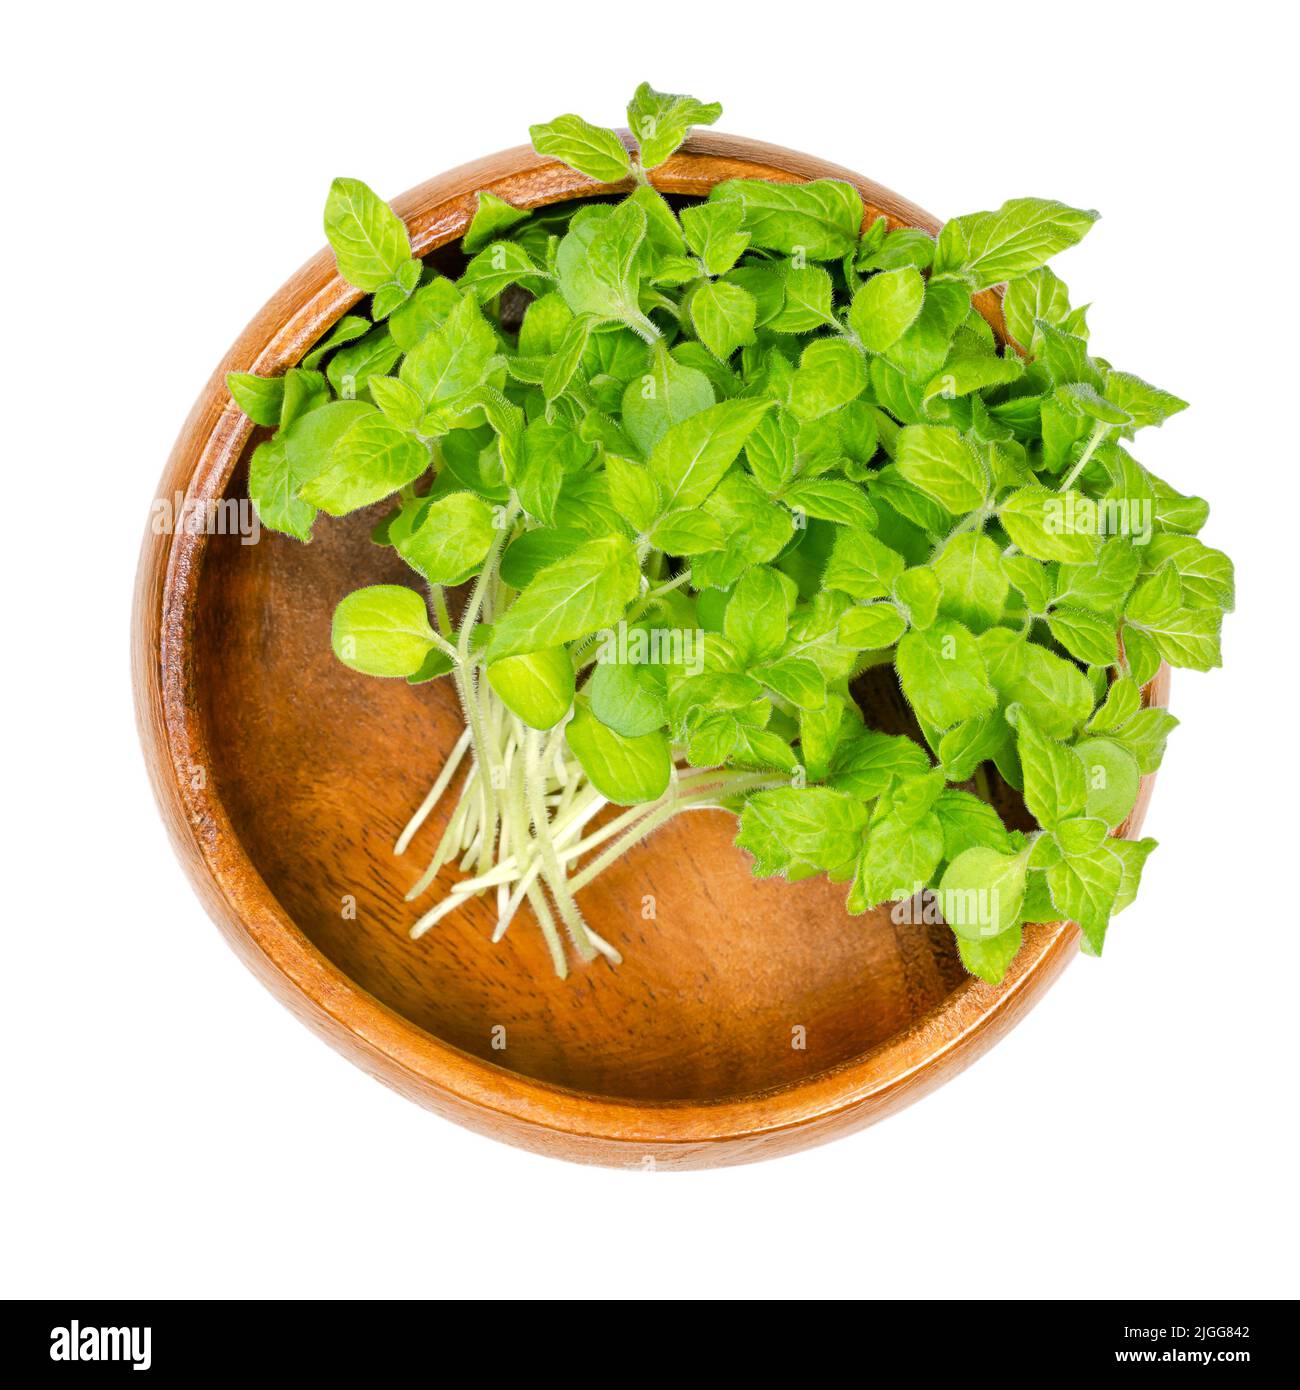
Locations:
700 464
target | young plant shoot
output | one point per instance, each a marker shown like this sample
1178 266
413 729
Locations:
690 469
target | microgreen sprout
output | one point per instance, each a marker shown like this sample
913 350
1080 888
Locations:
691 468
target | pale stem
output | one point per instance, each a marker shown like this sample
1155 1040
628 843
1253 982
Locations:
1099 432
551 871
435 793
731 787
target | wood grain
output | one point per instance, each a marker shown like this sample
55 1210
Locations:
750 1018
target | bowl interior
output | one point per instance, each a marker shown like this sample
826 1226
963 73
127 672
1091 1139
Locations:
729 985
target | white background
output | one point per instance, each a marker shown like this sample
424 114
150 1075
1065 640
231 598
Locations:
167 1128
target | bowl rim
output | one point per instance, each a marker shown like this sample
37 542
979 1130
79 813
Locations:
481 1094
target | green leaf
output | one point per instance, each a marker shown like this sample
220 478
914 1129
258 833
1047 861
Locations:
597 264
1054 691
259 397
1038 295
917 591
453 358
305 392
563 366
981 892
401 405
1122 702
820 219
713 232
586 590
1080 835
591 150
898 859
1043 524
690 459
794 679
663 231
821 733
450 539
309 441
985 248
990 957
1091 637
1102 585
492 217
368 463
1156 598
761 748
942 464
424 311
352 368
770 450
723 316
831 373
662 120
627 771
382 631
832 499
1144 736
710 691
757 616
966 375
496 267
926 345
868 763
1132 855
634 492
1031 578
756 530
806 303
711 740
687 531
1055 784
1085 888
972 583
904 246
966 745
389 297
886 306
1112 778
436 664
665 395
968 822
798 830
537 686
1143 403
346 330
861 565
1141 654
1188 638
527 555
943 675
1205 576
628 698
273 490
369 239
872 627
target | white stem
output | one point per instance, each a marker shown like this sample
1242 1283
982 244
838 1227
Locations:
435 793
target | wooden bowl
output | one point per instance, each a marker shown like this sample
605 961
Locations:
750 1018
